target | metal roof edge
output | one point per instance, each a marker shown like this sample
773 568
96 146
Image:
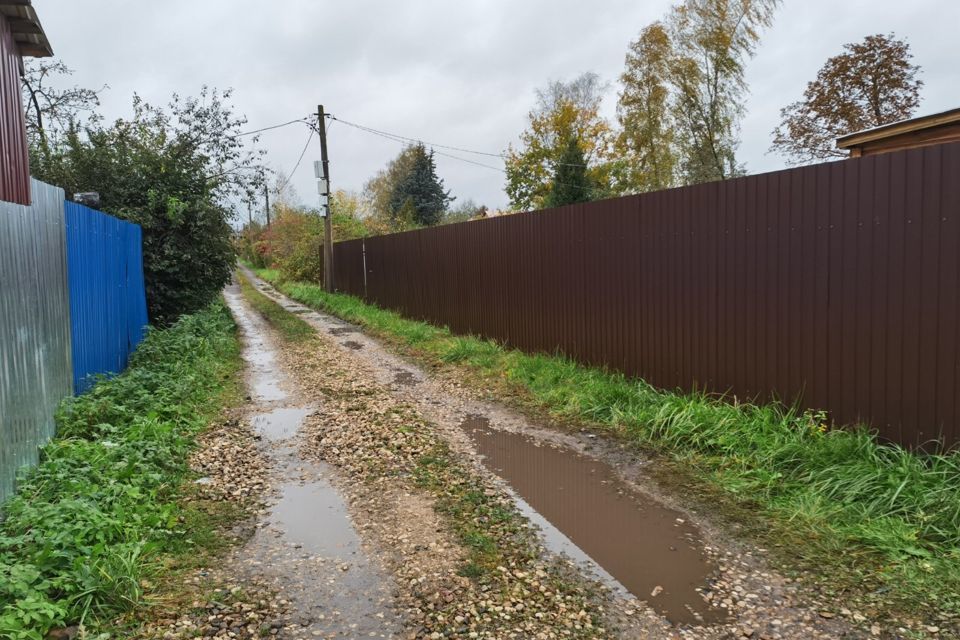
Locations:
27 30
896 128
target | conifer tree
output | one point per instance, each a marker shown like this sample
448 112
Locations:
419 192
571 183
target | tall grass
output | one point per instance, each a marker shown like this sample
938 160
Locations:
88 524
875 516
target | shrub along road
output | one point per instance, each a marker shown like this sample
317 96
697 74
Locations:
109 522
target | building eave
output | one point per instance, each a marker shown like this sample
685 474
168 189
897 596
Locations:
26 27
898 128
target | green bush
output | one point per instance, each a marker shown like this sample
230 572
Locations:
170 170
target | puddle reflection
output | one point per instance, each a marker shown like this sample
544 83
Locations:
645 546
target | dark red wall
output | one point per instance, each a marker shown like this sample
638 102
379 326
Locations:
14 167
837 285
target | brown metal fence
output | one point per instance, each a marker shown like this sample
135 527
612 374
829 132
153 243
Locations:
834 284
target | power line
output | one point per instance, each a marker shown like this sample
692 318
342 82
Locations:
400 138
296 166
415 140
406 140
276 126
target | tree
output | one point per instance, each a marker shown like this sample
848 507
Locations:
571 182
870 84
419 193
51 112
171 171
683 94
466 210
564 111
646 150
346 220
712 39
378 192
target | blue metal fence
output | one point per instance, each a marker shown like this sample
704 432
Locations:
108 307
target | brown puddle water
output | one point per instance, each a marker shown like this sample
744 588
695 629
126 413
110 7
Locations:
341 331
646 547
353 345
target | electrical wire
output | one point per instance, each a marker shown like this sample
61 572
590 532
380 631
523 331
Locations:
270 128
289 177
406 140
389 136
402 140
415 140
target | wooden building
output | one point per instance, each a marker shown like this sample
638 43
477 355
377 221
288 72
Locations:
936 128
21 35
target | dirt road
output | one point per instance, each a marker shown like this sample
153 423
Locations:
390 485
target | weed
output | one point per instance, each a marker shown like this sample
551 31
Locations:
90 524
289 325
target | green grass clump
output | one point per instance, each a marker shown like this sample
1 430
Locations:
89 524
874 517
289 325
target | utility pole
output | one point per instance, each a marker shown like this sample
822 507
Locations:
327 223
266 195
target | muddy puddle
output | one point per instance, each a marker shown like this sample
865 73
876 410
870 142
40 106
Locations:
279 424
313 516
341 331
651 551
351 344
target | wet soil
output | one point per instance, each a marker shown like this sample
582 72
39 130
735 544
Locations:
404 378
305 546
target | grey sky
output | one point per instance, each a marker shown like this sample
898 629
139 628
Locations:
461 73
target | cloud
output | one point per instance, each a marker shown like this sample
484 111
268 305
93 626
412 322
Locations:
459 73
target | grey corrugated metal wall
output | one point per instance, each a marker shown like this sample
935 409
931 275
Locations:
35 371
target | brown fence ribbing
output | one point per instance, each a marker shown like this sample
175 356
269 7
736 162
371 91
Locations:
836 284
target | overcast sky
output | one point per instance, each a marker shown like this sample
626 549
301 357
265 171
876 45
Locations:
459 73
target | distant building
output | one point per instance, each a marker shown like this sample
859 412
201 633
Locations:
21 36
936 128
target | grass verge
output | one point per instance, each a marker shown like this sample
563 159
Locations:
101 517
876 523
289 325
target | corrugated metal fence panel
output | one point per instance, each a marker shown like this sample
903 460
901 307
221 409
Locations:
34 327
107 301
14 170
835 285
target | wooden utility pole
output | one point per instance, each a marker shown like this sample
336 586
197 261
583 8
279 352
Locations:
266 195
327 223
